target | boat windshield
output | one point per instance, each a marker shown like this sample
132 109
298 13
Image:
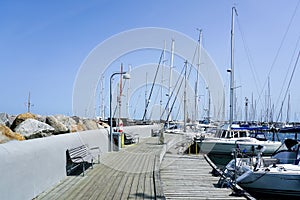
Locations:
234 133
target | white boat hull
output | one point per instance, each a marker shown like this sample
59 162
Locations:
277 181
220 146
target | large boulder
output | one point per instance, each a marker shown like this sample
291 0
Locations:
21 118
32 128
6 134
59 127
67 121
74 124
79 124
90 124
4 119
41 118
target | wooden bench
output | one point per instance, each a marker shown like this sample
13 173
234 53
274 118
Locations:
81 155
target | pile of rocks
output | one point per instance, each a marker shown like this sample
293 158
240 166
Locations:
28 126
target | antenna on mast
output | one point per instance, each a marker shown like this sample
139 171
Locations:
29 104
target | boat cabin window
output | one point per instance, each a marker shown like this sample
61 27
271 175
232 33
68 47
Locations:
243 134
236 134
224 134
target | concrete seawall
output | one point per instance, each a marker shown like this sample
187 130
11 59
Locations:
32 166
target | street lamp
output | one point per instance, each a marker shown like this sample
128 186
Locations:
125 76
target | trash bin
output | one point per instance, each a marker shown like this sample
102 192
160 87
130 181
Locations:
116 141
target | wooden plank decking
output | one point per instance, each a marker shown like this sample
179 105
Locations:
189 177
127 174
132 174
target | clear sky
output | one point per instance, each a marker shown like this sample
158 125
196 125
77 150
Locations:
43 44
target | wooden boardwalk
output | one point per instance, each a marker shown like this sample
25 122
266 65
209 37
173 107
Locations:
189 177
127 174
132 173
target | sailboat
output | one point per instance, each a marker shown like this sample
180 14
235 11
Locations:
231 136
278 176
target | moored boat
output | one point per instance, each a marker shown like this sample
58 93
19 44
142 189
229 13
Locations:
278 176
227 140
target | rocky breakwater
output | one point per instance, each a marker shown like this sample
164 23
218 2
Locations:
29 126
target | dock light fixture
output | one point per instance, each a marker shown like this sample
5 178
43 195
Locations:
125 76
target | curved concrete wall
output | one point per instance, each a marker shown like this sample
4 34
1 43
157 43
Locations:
33 166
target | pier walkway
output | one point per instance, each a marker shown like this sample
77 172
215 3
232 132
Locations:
189 177
133 173
127 174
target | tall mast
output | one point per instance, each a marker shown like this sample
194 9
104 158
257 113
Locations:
28 103
102 97
184 99
246 109
146 98
128 92
162 81
232 67
209 104
198 71
269 102
288 110
120 95
171 69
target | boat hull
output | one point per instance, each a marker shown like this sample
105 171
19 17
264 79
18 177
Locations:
270 183
227 146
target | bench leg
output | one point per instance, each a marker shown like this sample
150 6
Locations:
83 168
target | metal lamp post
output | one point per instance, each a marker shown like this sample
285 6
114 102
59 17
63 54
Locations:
125 76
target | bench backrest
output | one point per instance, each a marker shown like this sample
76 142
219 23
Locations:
74 154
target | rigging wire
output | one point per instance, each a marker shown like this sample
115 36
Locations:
279 49
249 57
148 100
286 75
289 84
172 93
172 106
189 73
176 84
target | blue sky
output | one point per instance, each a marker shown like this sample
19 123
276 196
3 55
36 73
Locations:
43 43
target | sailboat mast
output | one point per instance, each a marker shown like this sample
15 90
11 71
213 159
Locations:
232 68
184 99
128 92
102 97
288 110
171 69
120 96
146 99
198 71
209 104
162 81
28 103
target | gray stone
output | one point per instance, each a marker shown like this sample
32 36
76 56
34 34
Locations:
31 128
41 118
59 127
90 124
4 119
69 122
77 119
11 119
